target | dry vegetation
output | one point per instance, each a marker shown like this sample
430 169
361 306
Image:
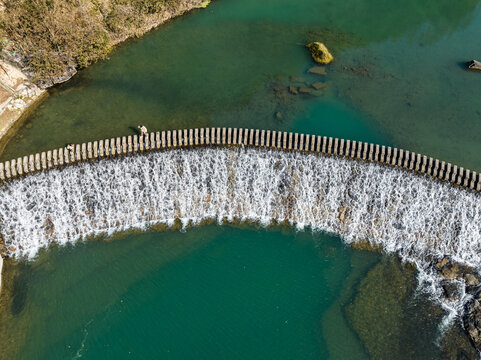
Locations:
57 33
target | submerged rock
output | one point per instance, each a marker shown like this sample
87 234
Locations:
318 70
320 53
296 79
319 85
304 90
451 270
451 289
472 321
293 90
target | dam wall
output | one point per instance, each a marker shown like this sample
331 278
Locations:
225 137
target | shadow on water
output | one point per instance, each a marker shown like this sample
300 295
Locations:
20 288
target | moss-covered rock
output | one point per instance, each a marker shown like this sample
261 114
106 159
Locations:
320 53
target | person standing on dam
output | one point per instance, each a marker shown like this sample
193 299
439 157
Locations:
143 130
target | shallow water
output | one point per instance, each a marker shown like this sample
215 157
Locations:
216 292
396 80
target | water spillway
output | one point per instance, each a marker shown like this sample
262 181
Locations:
213 173
246 176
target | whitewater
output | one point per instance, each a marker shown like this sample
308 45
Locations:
418 218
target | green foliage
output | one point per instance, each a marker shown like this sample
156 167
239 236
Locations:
149 6
44 65
59 33
95 46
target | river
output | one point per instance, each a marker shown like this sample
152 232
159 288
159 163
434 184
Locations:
242 290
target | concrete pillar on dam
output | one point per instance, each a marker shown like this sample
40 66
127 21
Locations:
60 158
26 170
8 170
37 162
19 166
454 174
13 168
170 140
55 157
118 146
164 139
130 145
49 159
78 153
96 149
89 151
135 143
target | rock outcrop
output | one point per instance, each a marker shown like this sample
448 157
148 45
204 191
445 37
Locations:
459 281
320 53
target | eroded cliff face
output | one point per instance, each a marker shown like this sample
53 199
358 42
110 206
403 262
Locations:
17 92
49 40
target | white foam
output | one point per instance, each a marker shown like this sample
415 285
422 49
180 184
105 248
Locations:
403 213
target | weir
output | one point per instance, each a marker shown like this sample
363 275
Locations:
361 151
230 175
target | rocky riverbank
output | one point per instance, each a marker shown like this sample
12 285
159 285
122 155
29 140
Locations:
462 284
17 94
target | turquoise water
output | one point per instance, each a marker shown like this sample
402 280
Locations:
210 292
222 292
230 65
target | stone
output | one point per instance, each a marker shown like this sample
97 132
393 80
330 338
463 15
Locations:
293 90
472 322
474 65
451 290
317 70
296 79
442 263
448 269
304 90
471 280
318 85
320 53
450 273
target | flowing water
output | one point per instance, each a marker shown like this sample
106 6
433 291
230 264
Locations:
248 291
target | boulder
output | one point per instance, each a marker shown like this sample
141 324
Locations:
320 53
451 290
471 280
472 322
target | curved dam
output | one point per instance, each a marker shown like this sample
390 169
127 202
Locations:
242 137
249 175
